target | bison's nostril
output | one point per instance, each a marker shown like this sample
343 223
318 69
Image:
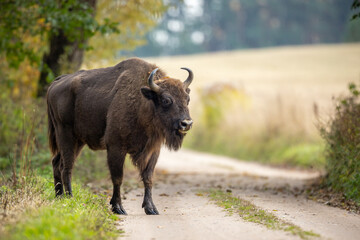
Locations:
186 124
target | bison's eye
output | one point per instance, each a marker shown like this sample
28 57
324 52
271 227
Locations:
166 102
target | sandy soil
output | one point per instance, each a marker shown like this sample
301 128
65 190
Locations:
185 215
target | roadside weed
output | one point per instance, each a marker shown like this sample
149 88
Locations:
249 212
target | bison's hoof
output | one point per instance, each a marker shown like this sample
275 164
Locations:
118 210
59 195
151 211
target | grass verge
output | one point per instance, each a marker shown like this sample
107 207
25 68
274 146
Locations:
251 213
278 151
30 211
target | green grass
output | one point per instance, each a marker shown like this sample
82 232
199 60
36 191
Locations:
302 154
251 213
84 216
276 150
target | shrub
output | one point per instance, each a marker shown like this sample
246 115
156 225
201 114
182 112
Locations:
342 136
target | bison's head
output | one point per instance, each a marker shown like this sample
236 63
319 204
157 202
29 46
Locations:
171 98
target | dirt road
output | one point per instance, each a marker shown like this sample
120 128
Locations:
185 214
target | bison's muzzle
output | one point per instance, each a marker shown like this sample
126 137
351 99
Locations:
185 125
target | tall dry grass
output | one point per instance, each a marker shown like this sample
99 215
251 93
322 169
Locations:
20 188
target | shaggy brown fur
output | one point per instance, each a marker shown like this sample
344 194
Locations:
114 109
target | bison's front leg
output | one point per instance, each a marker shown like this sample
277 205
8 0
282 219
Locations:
146 175
116 159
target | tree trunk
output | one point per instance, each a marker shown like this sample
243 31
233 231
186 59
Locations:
50 61
60 45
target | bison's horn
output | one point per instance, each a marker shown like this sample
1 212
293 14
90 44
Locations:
151 83
188 81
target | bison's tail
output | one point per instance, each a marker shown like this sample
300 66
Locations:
51 131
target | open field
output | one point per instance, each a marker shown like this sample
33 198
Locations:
301 65
300 75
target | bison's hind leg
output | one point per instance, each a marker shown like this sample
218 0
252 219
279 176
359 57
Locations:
56 163
70 148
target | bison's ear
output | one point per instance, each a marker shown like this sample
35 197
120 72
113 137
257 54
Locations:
187 90
148 93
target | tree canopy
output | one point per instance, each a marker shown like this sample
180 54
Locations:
356 6
51 36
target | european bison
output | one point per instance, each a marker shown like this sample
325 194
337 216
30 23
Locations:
131 108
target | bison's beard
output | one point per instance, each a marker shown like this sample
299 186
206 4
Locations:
174 139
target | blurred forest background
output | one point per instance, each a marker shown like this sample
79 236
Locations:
215 25
258 93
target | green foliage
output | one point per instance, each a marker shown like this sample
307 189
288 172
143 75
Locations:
45 18
52 35
355 6
342 136
136 18
353 29
85 216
